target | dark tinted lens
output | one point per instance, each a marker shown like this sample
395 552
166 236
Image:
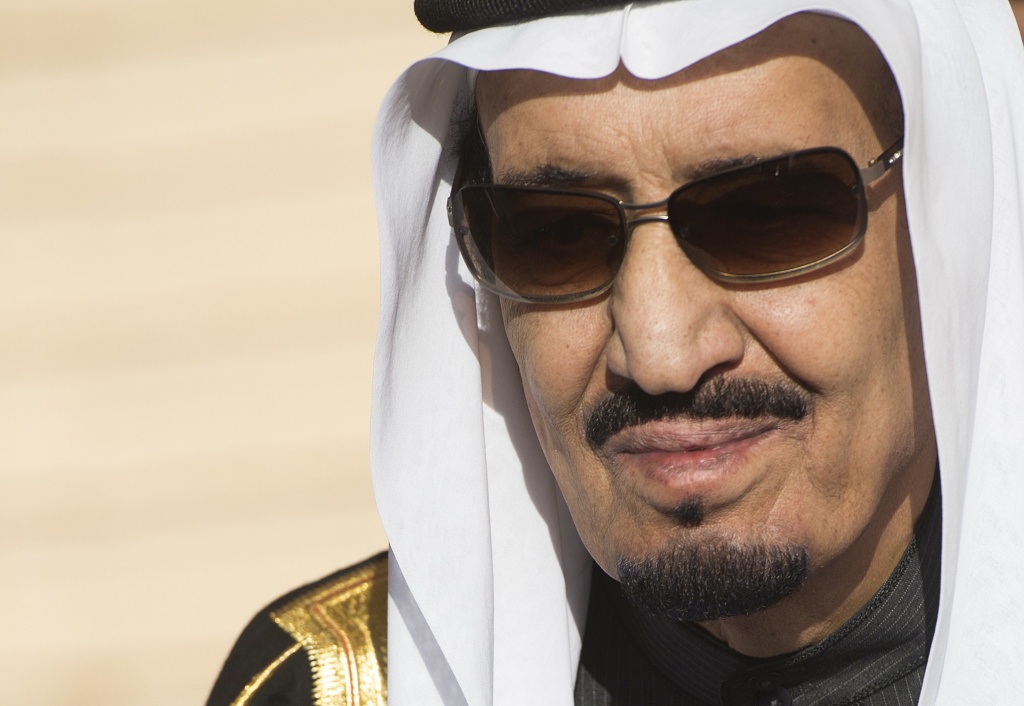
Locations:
542 244
772 216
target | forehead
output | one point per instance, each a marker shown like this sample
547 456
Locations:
791 78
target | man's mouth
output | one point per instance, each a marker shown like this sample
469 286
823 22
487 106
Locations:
687 436
675 446
674 459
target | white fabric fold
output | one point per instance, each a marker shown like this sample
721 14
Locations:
489 579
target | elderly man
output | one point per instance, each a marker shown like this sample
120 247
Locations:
661 284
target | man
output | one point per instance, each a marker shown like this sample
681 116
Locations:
663 433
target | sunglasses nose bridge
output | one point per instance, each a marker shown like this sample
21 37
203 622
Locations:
632 223
635 214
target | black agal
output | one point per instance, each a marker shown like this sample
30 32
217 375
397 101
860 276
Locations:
460 15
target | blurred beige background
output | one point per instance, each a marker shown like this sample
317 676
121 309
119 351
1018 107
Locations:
188 293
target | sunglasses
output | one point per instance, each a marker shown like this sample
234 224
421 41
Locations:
770 220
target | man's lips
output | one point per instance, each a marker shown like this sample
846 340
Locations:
686 436
685 457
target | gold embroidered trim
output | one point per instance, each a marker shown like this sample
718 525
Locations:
343 627
257 681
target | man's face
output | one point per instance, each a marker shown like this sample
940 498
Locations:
842 482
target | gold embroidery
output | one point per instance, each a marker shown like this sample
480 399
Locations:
343 626
257 681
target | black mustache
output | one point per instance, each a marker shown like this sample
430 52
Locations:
717 398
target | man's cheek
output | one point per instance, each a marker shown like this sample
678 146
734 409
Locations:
805 336
558 359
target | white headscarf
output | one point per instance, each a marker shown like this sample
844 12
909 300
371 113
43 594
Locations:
489 579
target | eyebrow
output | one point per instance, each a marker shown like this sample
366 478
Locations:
709 167
555 176
548 175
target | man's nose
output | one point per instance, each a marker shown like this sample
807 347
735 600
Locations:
672 324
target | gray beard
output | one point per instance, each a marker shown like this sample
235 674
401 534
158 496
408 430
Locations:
710 579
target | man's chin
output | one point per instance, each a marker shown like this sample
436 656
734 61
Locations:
712 578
